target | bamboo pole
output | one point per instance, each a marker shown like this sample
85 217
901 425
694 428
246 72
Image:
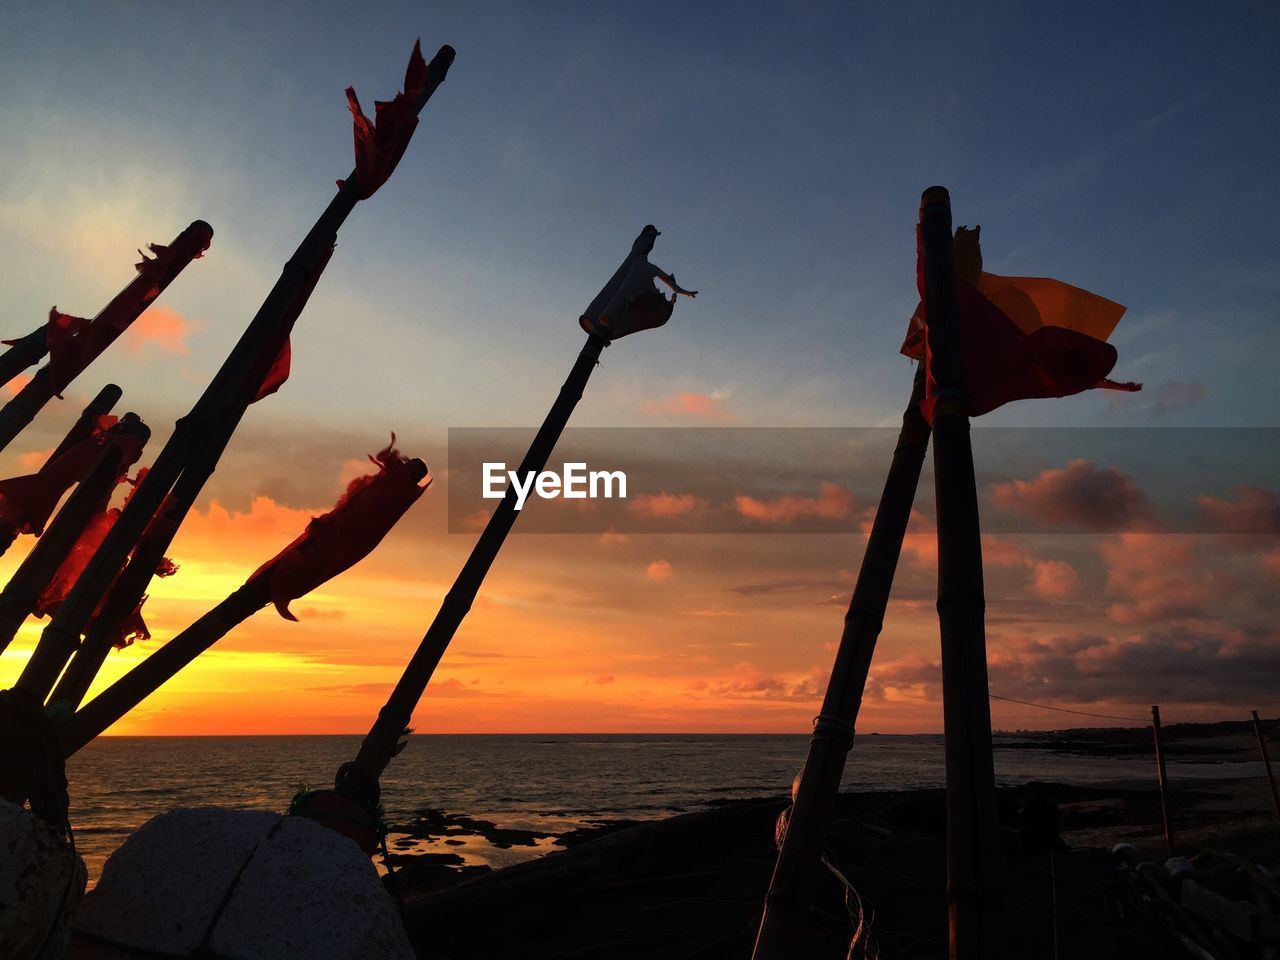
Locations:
19 597
152 673
85 424
972 841
114 319
1163 780
379 745
80 430
786 905
147 677
200 437
24 352
1266 760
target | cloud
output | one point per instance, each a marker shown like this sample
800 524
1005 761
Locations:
787 585
15 385
1173 396
1253 511
687 404
1207 666
34 460
601 680
160 327
833 502
1054 579
658 570
1155 577
745 681
1080 496
661 505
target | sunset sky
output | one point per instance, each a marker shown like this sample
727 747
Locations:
781 150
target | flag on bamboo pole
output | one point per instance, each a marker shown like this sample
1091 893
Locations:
60 332
1022 337
132 627
27 502
630 302
381 143
278 372
346 534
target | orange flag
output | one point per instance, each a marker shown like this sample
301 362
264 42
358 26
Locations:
1023 337
347 533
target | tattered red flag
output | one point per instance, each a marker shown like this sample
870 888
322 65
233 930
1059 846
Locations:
273 378
27 502
347 533
131 627
1048 351
381 144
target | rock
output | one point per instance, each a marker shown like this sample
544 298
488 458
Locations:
291 887
41 883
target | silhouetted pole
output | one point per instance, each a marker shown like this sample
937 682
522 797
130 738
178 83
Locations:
87 422
627 303
379 511
786 906
202 435
1266 760
20 596
1163 780
149 675
379 745
972 841
125 307
24 352
80 430
48 659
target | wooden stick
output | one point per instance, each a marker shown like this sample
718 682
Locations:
80 430
786 905
148 676
46 660
20 596
379 745
972 841
113 320
1266 760
200 437
24 352
1163 780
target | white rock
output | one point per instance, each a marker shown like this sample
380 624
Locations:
297 889
41 883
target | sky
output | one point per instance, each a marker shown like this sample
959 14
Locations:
781 150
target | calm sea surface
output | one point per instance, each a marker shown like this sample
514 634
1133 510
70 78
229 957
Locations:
549 783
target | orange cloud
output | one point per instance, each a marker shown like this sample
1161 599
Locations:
832 503
34 460
19 381
658 570
1079 496
1155 576
686 404
659 505
161 327
1253 511
1054 579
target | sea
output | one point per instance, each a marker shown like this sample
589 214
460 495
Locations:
547 784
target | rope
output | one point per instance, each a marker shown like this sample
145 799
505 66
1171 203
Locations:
1081 713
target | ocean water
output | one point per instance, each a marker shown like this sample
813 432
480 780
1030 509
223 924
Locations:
547 783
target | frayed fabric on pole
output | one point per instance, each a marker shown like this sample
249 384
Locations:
27 502
381 143
1022 337
630 302
347 533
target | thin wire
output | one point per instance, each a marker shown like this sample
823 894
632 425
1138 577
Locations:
1082 713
